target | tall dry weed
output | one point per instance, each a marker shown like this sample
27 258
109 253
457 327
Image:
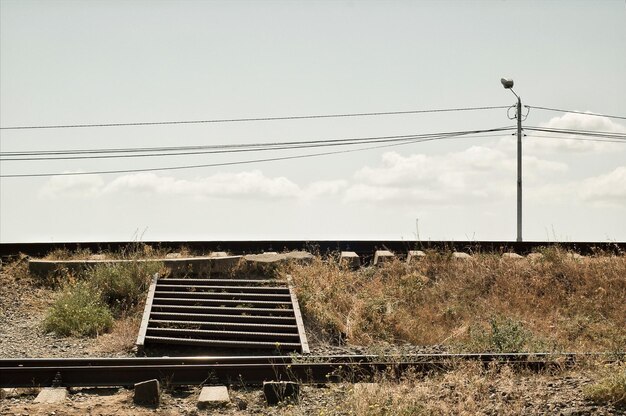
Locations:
557 302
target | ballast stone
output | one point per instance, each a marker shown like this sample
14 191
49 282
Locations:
147 393
51 395
213 396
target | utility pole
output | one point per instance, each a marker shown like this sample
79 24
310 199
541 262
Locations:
508 84
519 169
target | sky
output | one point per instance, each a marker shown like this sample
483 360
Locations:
70 62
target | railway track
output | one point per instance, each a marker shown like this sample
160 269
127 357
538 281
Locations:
364 248
250 370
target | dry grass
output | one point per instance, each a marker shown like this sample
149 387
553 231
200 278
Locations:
122 337
610 388
484 303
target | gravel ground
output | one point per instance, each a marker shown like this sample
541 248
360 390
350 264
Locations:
23 306
440 394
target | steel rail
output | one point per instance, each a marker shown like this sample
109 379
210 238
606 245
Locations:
93 372
363 248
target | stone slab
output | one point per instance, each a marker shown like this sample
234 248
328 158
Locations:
147 393
274 257
201 266
51 395
213 396
7 392
414 255
279 391
381 256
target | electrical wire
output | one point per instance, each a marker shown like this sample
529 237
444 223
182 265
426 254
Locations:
198 150
576 138
589 133
575 112
251 119
243 162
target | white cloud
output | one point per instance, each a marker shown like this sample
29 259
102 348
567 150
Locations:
252 184
533 143
78 186
249 184
477 173
609 188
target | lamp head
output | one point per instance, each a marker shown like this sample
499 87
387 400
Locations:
507 83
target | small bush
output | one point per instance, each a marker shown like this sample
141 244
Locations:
611 389
121 285
504 336
79 311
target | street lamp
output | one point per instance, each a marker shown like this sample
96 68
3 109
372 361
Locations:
508 84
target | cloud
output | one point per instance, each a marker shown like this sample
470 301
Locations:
248 184
477 173
534 143
607 189
78 186
252 184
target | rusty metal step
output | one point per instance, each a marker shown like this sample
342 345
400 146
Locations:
222 313
213 334
240 289
233 326
225 282
225 295
224 343
223 318
226 310
218 302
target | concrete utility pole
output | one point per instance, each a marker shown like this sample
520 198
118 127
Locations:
508 84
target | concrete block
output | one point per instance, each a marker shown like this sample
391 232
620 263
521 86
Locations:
147 393
461 256
511 256
350 259
381 256
213 396
50 395
6 393
274 257
414 255
279 391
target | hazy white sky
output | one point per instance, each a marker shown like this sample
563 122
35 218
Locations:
125 61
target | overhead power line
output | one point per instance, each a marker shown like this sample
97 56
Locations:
585 139
574 111
244 162
251 119
218 149
589 133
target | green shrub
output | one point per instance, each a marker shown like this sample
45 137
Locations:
79 311
121 285
611 389
504 336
